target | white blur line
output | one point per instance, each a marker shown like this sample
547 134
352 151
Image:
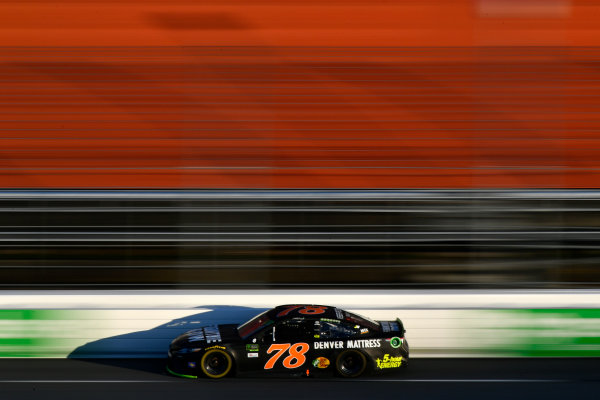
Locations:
351 299
304 194
464 380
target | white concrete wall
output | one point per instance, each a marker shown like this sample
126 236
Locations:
438 323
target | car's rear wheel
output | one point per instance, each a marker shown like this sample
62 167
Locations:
216 363
351 363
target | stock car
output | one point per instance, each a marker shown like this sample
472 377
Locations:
301 340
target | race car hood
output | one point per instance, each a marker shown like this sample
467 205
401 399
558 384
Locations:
206 336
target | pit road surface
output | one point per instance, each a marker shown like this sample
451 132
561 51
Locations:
425 378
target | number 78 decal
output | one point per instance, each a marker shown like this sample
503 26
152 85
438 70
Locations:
294 360
306 310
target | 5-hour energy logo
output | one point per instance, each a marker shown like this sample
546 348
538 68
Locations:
389 362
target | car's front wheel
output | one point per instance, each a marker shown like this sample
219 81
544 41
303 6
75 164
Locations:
216 363
351 363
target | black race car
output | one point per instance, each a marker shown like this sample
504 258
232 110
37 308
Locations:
306 340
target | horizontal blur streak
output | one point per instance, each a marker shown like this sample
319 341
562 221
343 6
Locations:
387 239
299 117
298 23
525 8
299 94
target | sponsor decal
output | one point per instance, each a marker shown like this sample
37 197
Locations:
215 347
395 342
364 331
252 355
363 343
252 347
321 362
350 344
389 362
329 345
335 321
192 364
339 314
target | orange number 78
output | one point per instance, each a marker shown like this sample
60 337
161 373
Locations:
296 358
311 310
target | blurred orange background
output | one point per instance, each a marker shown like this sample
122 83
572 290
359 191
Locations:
299 94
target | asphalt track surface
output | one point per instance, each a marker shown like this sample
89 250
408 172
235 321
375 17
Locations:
425 378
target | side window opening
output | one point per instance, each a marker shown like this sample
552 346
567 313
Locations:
268 335
337 330
293 330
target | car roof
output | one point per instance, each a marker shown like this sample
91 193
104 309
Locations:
308 311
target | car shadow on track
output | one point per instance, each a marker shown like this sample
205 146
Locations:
146 350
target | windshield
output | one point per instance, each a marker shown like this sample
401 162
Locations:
254 325
360 320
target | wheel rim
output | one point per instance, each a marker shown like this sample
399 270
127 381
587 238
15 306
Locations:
216 363
351 364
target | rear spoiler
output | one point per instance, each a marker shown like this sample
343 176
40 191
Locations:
401 325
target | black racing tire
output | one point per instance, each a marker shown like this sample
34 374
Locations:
216 363
351 363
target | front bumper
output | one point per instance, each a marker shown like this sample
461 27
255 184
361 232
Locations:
184 367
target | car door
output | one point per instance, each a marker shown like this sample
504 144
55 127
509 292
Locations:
287 346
